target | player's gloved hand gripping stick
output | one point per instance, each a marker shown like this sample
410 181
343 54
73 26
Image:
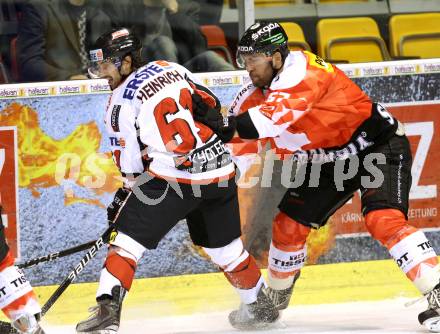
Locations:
6 327
112 212
121 197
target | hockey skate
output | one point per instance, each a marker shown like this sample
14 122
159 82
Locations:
26 324
257 315
281 298
105 316
431 317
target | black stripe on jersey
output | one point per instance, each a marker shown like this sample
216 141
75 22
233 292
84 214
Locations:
114 119
245 127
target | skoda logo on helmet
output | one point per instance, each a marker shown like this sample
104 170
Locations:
265 29
245 49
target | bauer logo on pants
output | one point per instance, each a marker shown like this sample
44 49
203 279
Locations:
9 185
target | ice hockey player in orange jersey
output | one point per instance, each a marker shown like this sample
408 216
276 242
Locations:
310 111
17 299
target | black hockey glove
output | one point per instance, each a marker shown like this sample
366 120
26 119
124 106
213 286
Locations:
224 127
119 199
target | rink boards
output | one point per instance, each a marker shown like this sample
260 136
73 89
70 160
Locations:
63 176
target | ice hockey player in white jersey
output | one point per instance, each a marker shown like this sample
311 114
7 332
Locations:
174 168
17 299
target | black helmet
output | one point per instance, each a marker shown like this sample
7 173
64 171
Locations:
114 46
262 37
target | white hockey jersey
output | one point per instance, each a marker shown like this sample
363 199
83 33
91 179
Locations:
151 128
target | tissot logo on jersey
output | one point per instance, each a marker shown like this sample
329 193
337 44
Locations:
114 141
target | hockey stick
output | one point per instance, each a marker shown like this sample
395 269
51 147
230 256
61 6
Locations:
56 255
97 245
6 327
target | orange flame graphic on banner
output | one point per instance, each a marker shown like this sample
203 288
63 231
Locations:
46 162
320 242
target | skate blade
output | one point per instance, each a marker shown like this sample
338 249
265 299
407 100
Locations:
256 326
433 324
100 331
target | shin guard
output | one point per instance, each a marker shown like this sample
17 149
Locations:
239 268
409 247
120 264
119 269
16 295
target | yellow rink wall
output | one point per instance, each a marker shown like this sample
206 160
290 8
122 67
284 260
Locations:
187 294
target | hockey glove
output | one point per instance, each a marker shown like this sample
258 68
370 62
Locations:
119 199
224 127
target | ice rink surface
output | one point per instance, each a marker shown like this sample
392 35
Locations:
390 316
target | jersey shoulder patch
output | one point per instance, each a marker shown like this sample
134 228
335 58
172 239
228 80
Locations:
318 62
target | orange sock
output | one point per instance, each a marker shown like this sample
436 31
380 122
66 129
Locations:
288 251
245 275
16 294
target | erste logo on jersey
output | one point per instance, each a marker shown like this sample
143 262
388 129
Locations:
145 73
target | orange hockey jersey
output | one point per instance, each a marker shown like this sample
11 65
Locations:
310 107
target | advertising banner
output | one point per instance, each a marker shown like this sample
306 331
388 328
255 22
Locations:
422 126
9 185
